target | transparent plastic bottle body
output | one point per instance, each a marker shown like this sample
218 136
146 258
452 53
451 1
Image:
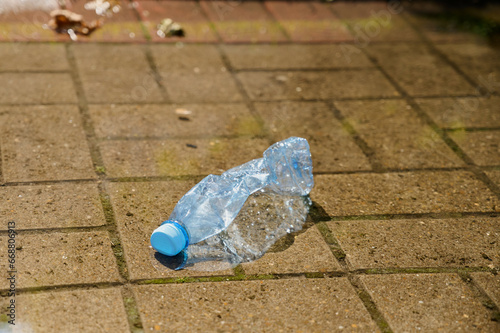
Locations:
210 206
265 219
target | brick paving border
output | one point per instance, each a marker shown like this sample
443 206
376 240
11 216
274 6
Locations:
359 278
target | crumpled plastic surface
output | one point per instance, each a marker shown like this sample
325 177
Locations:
265 218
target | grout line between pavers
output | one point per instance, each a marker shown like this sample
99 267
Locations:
149 57
127 179
112 228
241 276
470 165
132 309
479 174
362 144
481 295
211 24
317 219
246 98
275 20
361 292
304 100
471 129
434 50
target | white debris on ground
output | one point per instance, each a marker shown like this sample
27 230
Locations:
169 28
103 7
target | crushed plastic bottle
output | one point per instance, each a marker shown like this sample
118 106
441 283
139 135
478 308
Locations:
210 206
266 218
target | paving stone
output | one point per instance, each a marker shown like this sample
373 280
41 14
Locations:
403 193
187 59
298 305
190 78
33 57
140 158
48 259
397 135
139 209
153 120
428 302
36 88
293 56
43 143
465 242
439 30
121 86
495 176
198 88
313 85
470 112
196 27
308 253
91 58
332 148
419 71
358 10
489 283
309 22
482 147
243 22
479 61
116 74
88 310
51 206
375 22
26 26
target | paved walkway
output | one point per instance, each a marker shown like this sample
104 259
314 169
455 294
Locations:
99 139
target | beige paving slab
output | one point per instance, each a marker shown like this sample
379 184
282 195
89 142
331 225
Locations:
398 136
140 158
439 30
103 57
483 147
36 88
43 143
332 148
308 253
51 206
258 56
33 57
465 242
313 85
382 28
116 74
468 112
183 58
403 193
478 60
494 176
312 305
85 310
201 87
428 302
419 71
489 283
180 120
48 259
139 209
120 86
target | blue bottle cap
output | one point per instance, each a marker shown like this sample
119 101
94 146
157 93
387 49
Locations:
170 238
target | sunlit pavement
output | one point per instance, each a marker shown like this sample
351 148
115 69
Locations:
101 136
